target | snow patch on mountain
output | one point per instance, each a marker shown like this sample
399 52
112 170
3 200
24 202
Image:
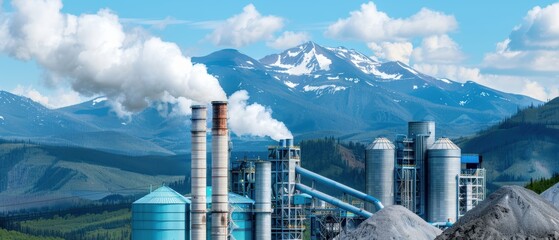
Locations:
323 89
445 80
363 63
98 100
407 68
302 62
290 84
2 118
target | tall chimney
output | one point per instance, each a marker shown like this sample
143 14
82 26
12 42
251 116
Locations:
220 205
263 200
198 167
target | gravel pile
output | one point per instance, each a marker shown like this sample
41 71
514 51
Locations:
512 212
393 222
552 195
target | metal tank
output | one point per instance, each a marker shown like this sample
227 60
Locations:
379 172
422 128
423 135
162 214
198 173
443 170
220 147
263 199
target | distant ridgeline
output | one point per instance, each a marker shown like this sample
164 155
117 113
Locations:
520 148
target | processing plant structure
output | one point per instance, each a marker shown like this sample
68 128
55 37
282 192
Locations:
266 198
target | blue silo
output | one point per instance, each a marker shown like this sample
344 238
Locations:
242 217
162 214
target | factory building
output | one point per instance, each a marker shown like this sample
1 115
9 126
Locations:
431 176
266 199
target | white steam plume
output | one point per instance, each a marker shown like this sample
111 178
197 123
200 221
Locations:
97 56
254 119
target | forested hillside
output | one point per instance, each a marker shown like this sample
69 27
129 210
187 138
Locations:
522 147
343 162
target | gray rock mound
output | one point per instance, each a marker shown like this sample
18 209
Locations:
393 222
552 195
512 212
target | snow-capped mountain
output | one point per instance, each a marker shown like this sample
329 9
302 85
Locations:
322 90
316 91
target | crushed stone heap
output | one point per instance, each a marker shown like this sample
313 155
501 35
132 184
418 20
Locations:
552 195
512 212
393 222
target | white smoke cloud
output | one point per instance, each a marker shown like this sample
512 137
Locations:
254 119
95 55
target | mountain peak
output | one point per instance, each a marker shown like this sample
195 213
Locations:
304 59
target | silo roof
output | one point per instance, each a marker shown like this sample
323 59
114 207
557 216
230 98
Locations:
381 144
163 195
444 143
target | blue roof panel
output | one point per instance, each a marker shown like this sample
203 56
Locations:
163 195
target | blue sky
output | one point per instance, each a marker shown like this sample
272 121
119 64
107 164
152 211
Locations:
465 41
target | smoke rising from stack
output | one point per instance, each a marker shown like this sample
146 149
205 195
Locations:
254 119
96 55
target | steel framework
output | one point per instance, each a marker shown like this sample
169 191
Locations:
287 218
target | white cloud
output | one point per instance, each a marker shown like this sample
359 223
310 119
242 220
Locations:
392 51
539 30
438 49
58 99
245 28
156 23
95 55
371 25
289 39
254 119
533 45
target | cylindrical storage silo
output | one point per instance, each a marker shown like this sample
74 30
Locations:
443 170
198 172
162 214
422 128
423 135
263 200
220 171
379 172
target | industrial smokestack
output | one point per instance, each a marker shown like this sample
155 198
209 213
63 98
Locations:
198 167
220 205
263 199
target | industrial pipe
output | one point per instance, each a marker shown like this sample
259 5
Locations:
220 205
198 167
331 183
332 200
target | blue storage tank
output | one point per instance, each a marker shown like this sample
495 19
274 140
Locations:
242 217
162 214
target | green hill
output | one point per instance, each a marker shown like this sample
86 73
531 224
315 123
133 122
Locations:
522 147
39 175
